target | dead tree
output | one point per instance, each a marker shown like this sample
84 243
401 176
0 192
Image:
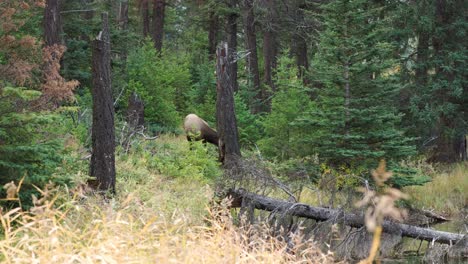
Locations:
225 113
324 214
135 111
103 135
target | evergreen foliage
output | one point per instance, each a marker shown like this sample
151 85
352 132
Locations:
283 137
354 120
161 81
28 145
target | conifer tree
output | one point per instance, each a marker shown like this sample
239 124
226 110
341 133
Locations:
355 120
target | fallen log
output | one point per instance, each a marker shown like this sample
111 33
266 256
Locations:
323 214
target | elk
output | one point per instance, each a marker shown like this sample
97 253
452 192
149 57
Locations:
198 129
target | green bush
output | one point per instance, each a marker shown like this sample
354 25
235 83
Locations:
29 146
198 162
162 81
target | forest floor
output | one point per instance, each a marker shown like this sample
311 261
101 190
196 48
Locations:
161 214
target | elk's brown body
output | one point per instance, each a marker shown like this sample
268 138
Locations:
197 129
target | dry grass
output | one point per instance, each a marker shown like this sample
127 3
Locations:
126 232
153 219
446 194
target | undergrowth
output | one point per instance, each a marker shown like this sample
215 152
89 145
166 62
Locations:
447 193
154 218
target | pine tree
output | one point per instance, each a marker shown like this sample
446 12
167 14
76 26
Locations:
440 83
355 120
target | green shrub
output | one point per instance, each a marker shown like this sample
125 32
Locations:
29 146
162 81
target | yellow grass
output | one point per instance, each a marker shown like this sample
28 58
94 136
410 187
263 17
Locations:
446 194
153 219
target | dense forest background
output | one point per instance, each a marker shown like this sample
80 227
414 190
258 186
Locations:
318 84
308 97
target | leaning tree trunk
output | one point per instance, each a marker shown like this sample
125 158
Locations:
225 113
52 23
103 137
251 42
158 23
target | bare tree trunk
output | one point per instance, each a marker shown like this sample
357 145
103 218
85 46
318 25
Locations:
212 32
158 23
232 43
52 23
146 17
135 111
225 112
251 43
103 137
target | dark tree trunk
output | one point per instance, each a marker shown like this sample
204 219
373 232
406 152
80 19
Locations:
52 23
212 32
103 137
302 60
123 25
299 39
325 214
145 17
135 111
123 15
269 43
158 23
225 113
269 55
232 43
252 60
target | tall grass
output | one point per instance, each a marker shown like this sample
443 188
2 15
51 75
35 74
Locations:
447 193
154 218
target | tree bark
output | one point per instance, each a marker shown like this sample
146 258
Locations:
52 23
145 17
232 43
212 32
269 44
103 137
324 214
225 112
252 60
158 23
123 15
